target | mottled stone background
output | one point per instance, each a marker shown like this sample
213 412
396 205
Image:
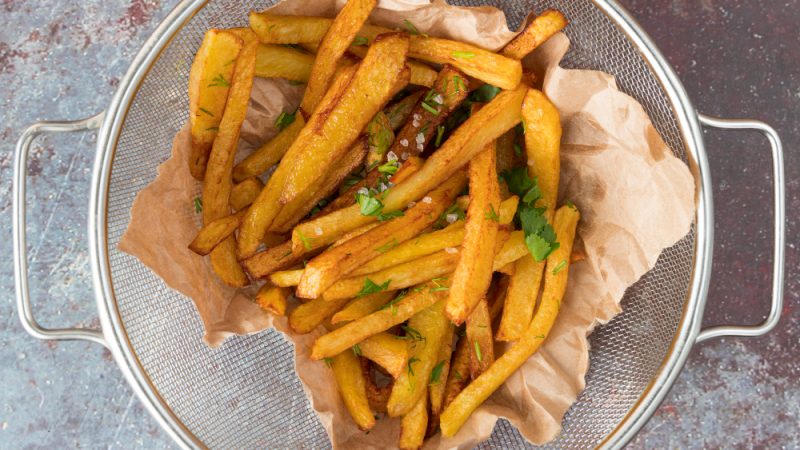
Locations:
737 58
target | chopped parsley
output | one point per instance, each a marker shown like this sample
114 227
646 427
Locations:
305 240
411 362
318 207
438 286
212 129
457 375
458 82
389 168
351 180
356 350
492 214
360 40
484 94
436 373
478 353
198 205
219 81
439 136
465 55
387 246
370 287
206 111
412 29
540 237
430 109
284 120
411 334
390 215
559 267
328 361
368 205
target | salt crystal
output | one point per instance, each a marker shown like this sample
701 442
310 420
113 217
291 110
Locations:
420 147
420 138
411 204
318 231
404 156
417 116
392 156
404 142
451 218
451 250
363 191
438 99
427 199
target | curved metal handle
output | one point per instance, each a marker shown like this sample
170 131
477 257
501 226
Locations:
780 217
20 237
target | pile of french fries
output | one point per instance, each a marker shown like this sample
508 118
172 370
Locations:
411 212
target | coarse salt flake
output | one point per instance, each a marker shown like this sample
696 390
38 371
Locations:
427 199
451 250
363 191
318 231
420 147
391 156
411 204
451 218
438 99
404 142
420 138
404 156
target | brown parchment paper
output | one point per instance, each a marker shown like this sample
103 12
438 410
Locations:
635 197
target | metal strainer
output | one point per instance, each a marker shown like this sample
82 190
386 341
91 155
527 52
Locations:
220 398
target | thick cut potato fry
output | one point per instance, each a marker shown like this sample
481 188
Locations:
275 258
273 299
308 316
457 412
539 30
356 331
476 62
353 388
215 232
336 41
362 306
523 290
293 212
421 74
458 377
266 207
277 29
286 278
399 112
225 265
387 351
479 336
398 277
270 153
509 155
513 249
279 61
542 141
436 386
431 323
355 233
449 90
324 270
332 129
483 127
414 424
473 275
244 193
209 82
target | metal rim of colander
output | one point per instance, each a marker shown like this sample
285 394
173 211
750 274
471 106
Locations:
122 349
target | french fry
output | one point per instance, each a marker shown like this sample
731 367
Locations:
542 141
244 193
399 112
507 157
330 266
497 304
209 83
479 336
217 183
362 306
458 378
523 290
449 90
355 233
539 30
337 39
439 374
352 387
270 153
398 277
421 74
286 278
308 316
377 396
356 331
431 324
293 212
513 249
387 351
266 206
476 62
494 119
215 232
277 29
457 412
414 424
332 129
275 258
473 274
279 61
273 299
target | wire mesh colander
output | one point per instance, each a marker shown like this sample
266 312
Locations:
245 394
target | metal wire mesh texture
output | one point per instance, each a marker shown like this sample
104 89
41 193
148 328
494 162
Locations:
245 394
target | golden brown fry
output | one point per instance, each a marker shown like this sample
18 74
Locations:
362 306
507 157
308 316
476 62
399 112
273 299
280 61
523 290
387 351
414 424
266 207
539 30
355 233
542 141
377 396
270 153
473 274
421 74
332 129
215 232
286 278
324 270
439 374
353 389
399 276
225 265
449 90
479 336
431 324
458 377
457 412
209 83
336 41
245 192
277 29
513 249
499 298
264 263
379 321
293 212
494 119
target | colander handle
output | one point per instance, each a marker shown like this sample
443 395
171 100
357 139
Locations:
20 245
780 238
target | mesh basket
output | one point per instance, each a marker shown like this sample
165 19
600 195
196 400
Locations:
245 394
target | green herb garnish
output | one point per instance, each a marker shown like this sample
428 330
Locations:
356 350
559 267
517 150
540 237
206 111
411 334
368 205
212 129
478 353
219 81
305 240
198 205
370 287
387 246
328 361
492 214
412 29
438 286
284 120
436 373
439 135
411 362
360 40
484 94
465 55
